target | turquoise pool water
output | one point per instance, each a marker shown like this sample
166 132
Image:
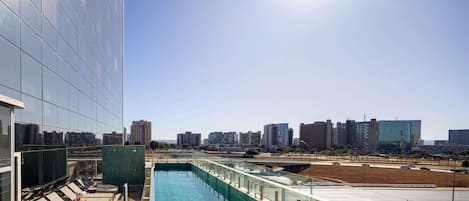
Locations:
175 185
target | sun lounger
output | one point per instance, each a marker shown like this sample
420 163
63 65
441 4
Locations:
75 188
54 197
69 193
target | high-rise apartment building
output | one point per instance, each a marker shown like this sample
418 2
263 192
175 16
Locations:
459 137
215 138
189 139
275 136
351 133
250 138
317 135
140 132
341 135
230 138
362 135
64 60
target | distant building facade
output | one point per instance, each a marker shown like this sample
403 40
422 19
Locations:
275 136
250 138
112 138
53 138
215 138
317 135
140 133
398 136
230 138
441 142
188 139
81 139
290 136
459 137
340 135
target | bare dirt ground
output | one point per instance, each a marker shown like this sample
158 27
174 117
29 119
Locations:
387 176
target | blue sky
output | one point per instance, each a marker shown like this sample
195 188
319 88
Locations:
223 65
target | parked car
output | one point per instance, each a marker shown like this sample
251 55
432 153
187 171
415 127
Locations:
411 166
365 165
405 167
424 168
336 163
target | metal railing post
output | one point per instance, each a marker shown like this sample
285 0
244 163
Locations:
126 192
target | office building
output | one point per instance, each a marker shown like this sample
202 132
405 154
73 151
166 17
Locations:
27 134
53 138
441 142
317 135
250 138
112 138
230 138
398 136
215 138
64 60
76 139
275 136
188 139
459 137
140 133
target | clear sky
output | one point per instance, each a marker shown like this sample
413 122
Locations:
226 65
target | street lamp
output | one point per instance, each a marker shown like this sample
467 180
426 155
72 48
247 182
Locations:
310 165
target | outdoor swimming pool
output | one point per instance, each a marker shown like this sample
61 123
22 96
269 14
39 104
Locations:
177 185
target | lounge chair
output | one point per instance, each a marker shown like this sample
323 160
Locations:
69 193
54 197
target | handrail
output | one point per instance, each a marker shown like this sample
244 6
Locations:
261 179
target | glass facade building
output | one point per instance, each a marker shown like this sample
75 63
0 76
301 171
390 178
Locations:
398 136
64 60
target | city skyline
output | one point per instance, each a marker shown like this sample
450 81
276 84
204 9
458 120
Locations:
222 65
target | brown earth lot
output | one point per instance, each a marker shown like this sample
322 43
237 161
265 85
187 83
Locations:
387 176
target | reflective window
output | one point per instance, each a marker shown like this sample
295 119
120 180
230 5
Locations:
5 122
31 16
62 68
30 42
32 112
13 5
31 75
62 118
49 35
73 99
49 9
51 84
49 114
9 25
10 60
49 58
73 120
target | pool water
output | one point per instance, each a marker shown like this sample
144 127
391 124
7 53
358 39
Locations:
175 185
